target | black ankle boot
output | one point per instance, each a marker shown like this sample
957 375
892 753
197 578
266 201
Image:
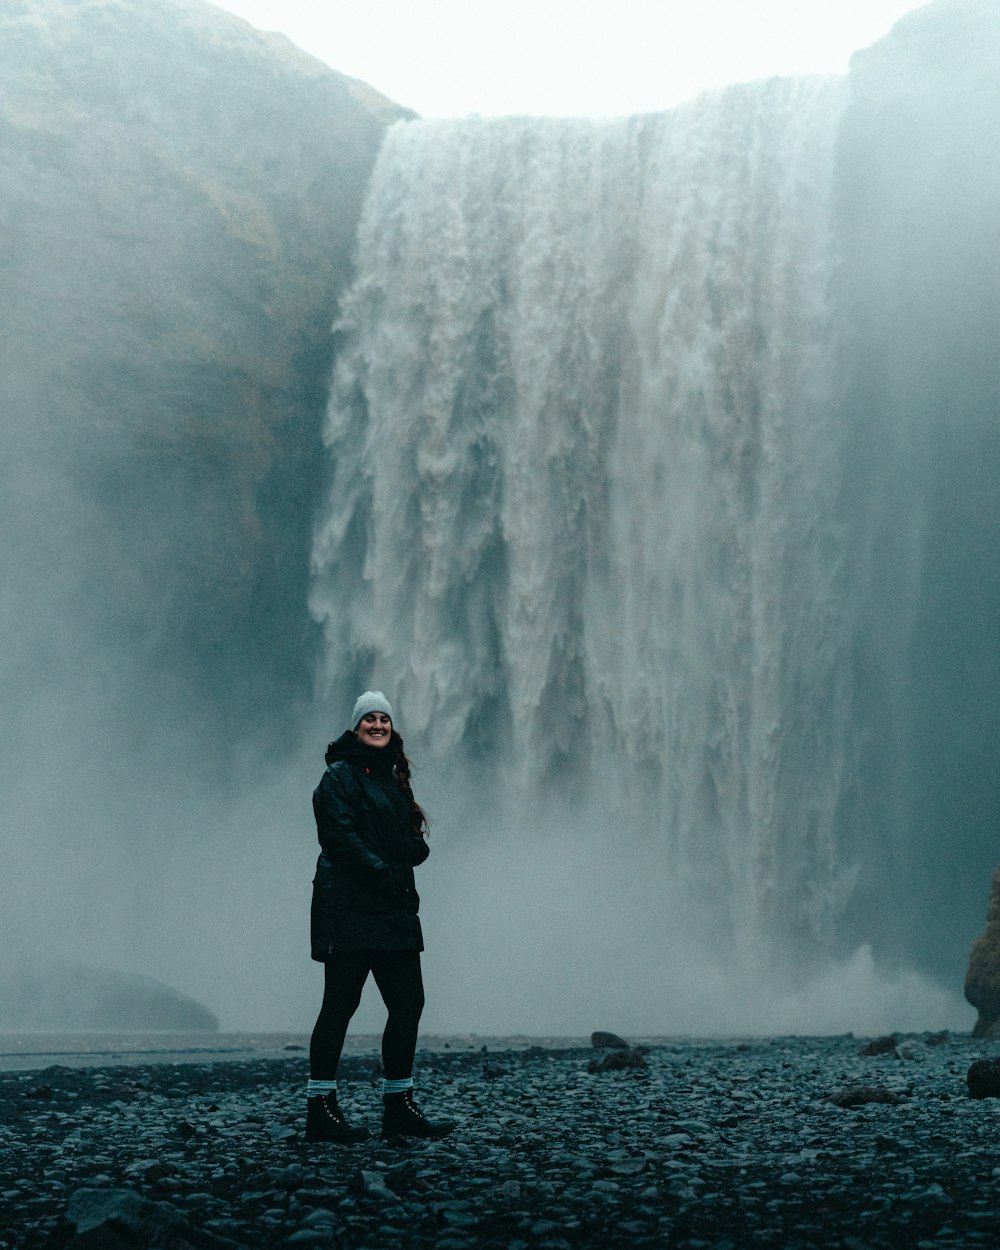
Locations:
401 1117
325 1122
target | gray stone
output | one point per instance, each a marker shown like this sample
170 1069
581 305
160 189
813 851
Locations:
111 1217
289 1177
983 1079
628 1167
617 1060
320 1215
860 1095
372 1185
608 1040
879 1046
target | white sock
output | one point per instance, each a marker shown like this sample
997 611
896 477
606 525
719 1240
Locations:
397 1087
316 1089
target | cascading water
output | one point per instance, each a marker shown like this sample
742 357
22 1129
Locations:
584 516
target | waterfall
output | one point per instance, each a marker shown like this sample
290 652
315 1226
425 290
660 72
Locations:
584 515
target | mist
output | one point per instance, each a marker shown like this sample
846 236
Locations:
179 199
650 469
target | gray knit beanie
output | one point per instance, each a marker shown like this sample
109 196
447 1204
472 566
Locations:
370 701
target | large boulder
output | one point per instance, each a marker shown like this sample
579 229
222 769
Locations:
122 1219
982 980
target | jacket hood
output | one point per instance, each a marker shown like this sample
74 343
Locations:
348 747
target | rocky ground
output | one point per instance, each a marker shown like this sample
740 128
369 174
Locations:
785 1142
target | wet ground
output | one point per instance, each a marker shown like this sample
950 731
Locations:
700 1144
26 1051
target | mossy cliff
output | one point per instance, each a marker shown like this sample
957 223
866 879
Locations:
178 197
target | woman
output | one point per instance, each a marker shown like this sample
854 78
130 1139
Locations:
364 919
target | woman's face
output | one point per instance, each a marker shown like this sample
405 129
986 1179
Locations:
374 729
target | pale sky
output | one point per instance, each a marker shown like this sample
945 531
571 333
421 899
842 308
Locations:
450 58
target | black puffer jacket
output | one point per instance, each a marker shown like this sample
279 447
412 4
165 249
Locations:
363 892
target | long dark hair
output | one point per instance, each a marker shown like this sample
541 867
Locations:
419 824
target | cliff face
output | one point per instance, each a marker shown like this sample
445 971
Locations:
919 198
178 195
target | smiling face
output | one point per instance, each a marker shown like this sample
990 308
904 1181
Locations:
374 729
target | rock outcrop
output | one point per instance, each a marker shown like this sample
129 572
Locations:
56 995
982 981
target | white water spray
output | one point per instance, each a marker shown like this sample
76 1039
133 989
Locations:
584 509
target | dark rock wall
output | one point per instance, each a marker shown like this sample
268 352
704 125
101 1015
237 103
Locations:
178 195
919 208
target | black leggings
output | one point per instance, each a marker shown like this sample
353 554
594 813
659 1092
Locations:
397 975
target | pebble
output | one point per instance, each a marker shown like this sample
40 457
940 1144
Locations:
708 1144
860 1095
373 1186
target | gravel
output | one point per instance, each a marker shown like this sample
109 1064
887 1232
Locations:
777 1142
